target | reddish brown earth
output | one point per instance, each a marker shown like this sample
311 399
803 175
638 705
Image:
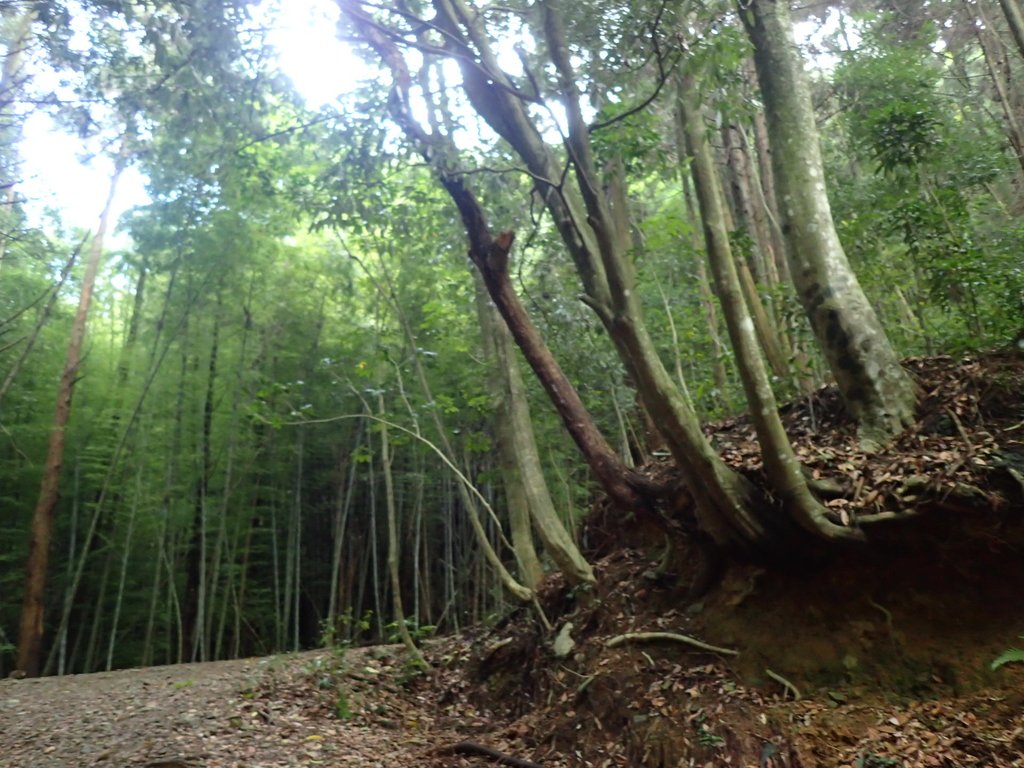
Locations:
872 657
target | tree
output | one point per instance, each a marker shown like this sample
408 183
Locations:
875 388
1015 19
526 489
30 629
728 507
999 64
230 486
781 465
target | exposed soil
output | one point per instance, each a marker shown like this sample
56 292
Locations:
879 655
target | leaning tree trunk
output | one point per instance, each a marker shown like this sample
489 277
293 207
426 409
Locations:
490 255
875 388
781 466
727 504
1015 18
724 500
522 474
728 507
30 630
707 296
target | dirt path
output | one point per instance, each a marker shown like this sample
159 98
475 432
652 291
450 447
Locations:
250 712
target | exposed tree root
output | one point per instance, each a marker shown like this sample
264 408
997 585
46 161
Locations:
784 683
634 637
472 748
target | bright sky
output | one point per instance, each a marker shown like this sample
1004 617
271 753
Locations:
58 174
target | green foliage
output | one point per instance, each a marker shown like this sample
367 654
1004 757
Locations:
927 223
1009 656
935 229
342 710
705 736
416 631
634 139
892 106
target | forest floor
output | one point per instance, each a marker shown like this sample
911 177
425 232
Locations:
877 656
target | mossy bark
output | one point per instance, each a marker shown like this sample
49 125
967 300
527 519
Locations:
780 462
877 391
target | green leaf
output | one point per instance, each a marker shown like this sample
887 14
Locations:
362 455
1009 656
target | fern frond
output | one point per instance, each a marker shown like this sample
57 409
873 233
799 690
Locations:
1009 656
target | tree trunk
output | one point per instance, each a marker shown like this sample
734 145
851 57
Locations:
530 569
726 503
1015 18
30 630
294 559
780 463
523 476
469 500
1001 76
766 193
877 391
736 172
490 255
228 485
752 218
398 612
707 295
125 559
724 499
95 617
154 593
197 576
342 506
